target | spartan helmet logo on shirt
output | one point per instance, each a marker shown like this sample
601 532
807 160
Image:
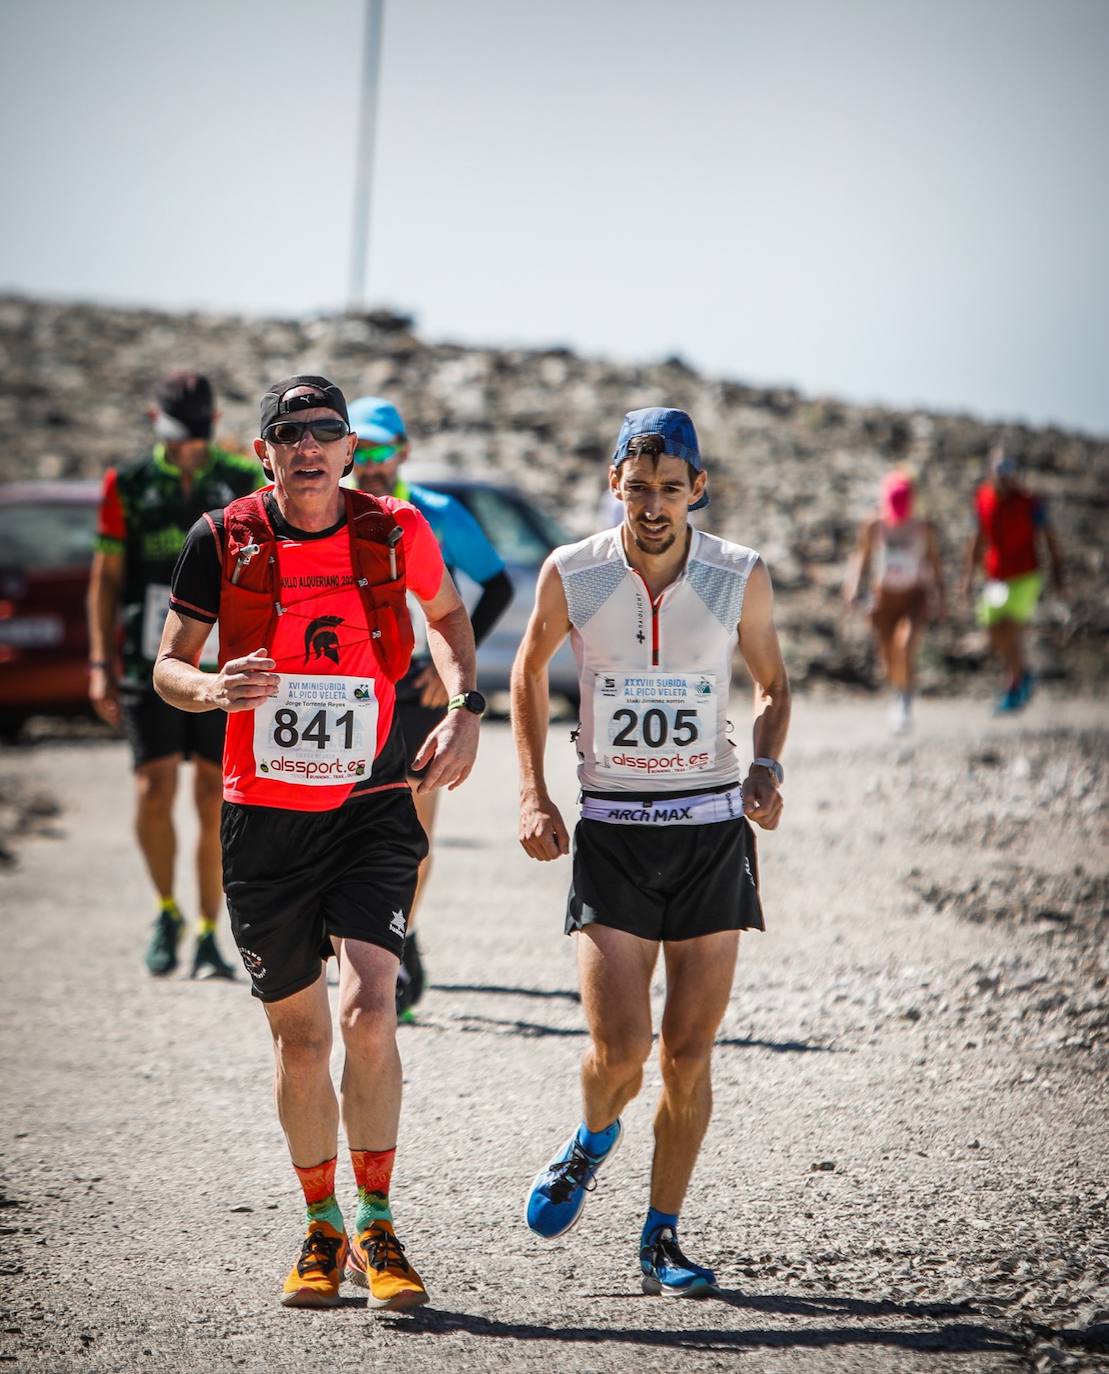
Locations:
320 639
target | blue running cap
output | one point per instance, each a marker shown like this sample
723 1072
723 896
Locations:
673 427
376 420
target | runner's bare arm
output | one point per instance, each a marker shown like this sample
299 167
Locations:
543 832
449 751
240 685
859 565
105 589
758 643
1055 554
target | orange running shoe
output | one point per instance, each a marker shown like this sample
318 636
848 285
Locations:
315 1278
376 1262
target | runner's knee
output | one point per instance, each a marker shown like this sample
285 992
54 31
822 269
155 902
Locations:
684 1065
621 1056
369 1025
155 789
208 789
303 1050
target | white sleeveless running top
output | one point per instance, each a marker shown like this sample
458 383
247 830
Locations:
655 676
900 561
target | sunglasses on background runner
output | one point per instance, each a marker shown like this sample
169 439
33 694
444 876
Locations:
378 453
289 432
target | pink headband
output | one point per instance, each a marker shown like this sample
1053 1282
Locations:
897 498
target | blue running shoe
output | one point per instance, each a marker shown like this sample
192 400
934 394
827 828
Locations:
558 1194
1009 701
1025 688
667 1271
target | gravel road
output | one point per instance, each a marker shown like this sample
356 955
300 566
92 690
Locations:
907 1165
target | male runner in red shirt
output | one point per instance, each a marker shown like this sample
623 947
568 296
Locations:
321 843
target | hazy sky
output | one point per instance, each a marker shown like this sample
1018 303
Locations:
895 200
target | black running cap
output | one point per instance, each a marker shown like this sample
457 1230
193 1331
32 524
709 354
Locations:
277 404
187 397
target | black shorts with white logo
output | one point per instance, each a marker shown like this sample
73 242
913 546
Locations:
665 882
156 730
294 879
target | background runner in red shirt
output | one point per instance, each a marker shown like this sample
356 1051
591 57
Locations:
1011 524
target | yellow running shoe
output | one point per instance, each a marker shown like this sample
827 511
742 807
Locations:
315 1278
376 1261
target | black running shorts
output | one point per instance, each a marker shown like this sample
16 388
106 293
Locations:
294 879
416 723
155 730
665 882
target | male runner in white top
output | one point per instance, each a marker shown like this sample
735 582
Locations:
663 853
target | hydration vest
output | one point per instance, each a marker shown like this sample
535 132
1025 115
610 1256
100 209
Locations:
250 595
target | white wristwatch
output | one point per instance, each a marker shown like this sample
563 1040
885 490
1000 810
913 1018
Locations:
773 766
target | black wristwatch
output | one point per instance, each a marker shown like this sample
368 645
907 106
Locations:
470 701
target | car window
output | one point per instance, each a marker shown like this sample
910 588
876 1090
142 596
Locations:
521 534
35 537
550 527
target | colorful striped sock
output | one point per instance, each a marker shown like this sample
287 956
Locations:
373 1171
318 1183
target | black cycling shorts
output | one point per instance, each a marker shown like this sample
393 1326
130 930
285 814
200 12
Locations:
155 729
665 882
294 879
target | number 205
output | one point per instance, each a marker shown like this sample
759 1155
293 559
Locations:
655 727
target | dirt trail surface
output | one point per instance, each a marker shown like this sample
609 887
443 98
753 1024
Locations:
907 1165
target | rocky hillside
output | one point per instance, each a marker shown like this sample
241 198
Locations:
791 475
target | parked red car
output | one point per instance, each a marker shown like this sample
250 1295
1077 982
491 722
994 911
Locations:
47 532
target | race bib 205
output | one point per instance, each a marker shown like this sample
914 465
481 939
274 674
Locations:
654 724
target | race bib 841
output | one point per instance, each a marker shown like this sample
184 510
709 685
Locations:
317 731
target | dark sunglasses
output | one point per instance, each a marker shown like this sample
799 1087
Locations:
378 453
290 432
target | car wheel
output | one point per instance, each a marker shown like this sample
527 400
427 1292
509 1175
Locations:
10 728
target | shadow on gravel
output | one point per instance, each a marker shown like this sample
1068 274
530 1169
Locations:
531 1029
527 1029
746 1042
823 1305
950 1338
498 991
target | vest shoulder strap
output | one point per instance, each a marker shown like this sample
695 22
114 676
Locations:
370 522
248 542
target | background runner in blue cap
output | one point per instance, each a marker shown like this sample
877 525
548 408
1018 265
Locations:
383 446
